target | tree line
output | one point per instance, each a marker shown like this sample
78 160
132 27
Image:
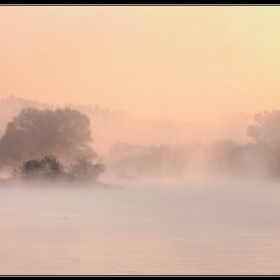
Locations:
35 139
219 160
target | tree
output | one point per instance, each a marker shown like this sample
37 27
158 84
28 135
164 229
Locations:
46 167
266 128
34 133
266 134
85 168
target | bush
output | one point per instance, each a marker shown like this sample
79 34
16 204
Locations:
86 169
47 167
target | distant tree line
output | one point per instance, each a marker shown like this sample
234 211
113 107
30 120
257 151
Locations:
35 139
219 160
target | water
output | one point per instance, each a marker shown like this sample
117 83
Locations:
174 231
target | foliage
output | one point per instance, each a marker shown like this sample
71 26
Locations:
34 133
266 128
47 166
85 168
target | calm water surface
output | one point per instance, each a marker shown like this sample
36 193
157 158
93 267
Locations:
182 231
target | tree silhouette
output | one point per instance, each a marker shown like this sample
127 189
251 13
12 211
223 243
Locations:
266 135
46 167
86 169
266 128
34 133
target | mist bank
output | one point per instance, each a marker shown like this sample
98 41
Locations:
191 164
110 127
139 152
202 162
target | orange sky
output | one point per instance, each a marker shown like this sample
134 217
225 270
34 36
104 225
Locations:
192 63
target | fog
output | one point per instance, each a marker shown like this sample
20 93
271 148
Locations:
139 140
141 203
109 127
139 151
216 229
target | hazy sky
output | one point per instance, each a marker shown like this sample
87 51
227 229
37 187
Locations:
193 63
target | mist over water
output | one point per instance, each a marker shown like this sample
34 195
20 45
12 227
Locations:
197 207
154 203
214 229
139 140
140 152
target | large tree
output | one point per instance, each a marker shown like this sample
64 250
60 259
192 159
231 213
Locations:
34 133
266 135
266 128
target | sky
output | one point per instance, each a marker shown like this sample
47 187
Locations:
193 63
